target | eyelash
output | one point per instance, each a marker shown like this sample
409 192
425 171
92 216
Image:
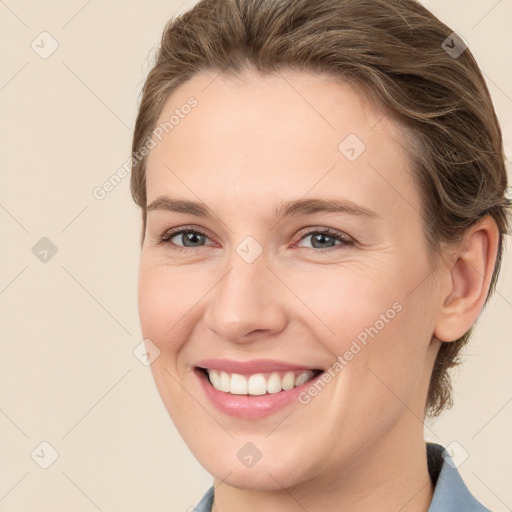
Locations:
165 239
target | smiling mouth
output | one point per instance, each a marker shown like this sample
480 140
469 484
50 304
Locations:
257 384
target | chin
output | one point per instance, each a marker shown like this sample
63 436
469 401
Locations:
253 479
272 472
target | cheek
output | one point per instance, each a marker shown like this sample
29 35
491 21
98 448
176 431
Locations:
389 372
166 302
346 301
378 329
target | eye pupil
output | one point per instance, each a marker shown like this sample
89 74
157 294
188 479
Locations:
193 237
322 238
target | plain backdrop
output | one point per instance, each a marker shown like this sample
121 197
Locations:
69 264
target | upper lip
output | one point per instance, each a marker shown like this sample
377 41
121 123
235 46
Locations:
251 367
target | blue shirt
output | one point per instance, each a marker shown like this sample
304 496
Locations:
450 491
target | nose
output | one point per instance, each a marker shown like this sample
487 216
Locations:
247 304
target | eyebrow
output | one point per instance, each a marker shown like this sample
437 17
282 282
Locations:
284 209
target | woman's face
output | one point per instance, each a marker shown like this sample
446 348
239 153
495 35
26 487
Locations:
253 288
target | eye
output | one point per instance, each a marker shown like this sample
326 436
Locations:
187 239
326 238
183 239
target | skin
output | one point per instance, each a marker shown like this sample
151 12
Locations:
246 147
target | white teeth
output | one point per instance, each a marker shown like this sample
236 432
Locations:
301 379
215 379
288 381
225 382
238 384
274 383
257 384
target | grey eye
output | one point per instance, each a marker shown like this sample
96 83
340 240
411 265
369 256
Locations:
189 238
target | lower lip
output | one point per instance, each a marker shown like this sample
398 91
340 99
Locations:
251 406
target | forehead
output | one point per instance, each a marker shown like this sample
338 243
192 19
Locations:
282 134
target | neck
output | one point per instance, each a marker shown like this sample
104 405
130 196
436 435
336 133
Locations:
388 476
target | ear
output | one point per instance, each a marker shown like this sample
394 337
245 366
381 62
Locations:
468 280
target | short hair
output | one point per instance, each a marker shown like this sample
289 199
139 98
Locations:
397 53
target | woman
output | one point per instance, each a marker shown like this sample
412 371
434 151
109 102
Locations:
322 187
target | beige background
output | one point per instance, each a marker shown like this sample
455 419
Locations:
68 326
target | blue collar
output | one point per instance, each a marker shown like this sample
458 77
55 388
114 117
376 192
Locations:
450 492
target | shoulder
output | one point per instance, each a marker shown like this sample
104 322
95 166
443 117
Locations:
206 503
450 492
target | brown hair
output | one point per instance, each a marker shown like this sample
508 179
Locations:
393 50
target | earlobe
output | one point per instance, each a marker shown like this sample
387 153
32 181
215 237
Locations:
469 280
